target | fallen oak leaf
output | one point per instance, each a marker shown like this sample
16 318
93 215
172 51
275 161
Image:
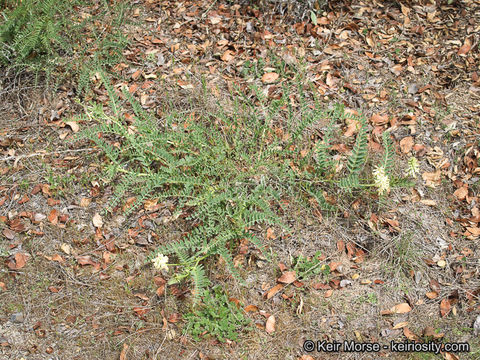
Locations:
140 311
409 334
269 77
352 127
271 293
228 56
445 307
397 309
18 261
57 258
73 125
432 179
142 296
406 144
400 325
9 234
465 48
53 217
251 308
270 234
379 119
287 277
270 325
123 353
85 260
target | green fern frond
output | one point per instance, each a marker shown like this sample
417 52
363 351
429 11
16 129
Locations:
360 150
227 256
349 182
200 282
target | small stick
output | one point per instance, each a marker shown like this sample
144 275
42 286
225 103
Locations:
19 157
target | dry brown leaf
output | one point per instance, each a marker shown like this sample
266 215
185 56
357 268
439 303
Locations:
306 357
432 179
270 325
67 249
401 308
58 258
53 217
328 293
396 69
85 260
352 128
228 56
20 260
271 293
431 294
123 353
400 325
461 193
397 309
406 144
475 231
409 334
73 125
465 48
97 220
141 310
379 119
445 307
269 77
9 234
270 234
287 277
160 290
251 308
84 202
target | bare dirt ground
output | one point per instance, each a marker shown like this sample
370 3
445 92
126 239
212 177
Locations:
70 290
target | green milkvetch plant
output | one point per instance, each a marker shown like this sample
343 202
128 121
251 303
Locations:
226 171
47 35
218 317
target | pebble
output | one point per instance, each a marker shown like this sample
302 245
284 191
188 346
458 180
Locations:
17 318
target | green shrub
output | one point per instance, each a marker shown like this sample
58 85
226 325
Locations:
228 171
32 30
218 317
47 35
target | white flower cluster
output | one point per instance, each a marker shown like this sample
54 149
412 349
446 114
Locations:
382 182
161 262
413 167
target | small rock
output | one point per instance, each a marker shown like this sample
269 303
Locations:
389 333
160 59
476 326
345 283
17 318
418 277
141 241
413 88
